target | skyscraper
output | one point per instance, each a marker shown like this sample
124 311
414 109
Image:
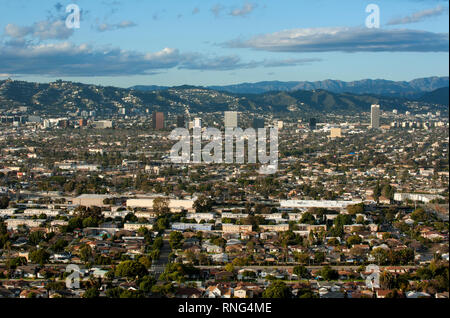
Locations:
180 121
312 123
158 120
231 119
375 117
197 122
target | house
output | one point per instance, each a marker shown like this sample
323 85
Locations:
219 258
382 293
242 292
224 275
217 291
236 248
188 292
34 293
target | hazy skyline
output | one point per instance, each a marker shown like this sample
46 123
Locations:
137 42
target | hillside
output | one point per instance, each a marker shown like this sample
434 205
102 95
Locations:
410 89
439 96
64 98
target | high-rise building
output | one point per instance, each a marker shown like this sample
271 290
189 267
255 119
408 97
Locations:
312 123
197 122
335 133
180 121
258 123
375 117
82 122
158 120
231 119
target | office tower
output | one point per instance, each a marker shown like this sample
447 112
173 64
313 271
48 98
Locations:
231 119
335 133
258 123
158 120
375 117
312 123
180 121
197 122
82 122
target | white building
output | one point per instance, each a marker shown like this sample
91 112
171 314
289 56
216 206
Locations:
231 119
375 117
306 204
174 205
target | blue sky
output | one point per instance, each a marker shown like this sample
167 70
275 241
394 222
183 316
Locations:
203 42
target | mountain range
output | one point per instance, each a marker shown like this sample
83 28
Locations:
412 89
65 98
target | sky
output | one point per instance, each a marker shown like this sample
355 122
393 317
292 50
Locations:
219 42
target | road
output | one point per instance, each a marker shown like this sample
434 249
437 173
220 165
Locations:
274 267
159 265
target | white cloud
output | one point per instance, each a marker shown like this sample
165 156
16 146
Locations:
68 59
43 30
420 16
244 11
110 27
346 39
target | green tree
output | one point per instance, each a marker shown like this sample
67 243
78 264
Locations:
203 204
131 269
91 293
277 290
39 256
301 272
328 273
176 240
4 202
161 206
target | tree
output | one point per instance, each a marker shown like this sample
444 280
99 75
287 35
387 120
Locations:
176 240
39 256
229 267
91 293
319 257
377 191
301 272
86 253
328 273
420 215
131 269
388 191
4 202
277 290
161 206
356 209
354 239
203 204
302 258
146 261
35 238
147 283
387 280
307 218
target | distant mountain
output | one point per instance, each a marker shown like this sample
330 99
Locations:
149 88
439 96
66 98
412 89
